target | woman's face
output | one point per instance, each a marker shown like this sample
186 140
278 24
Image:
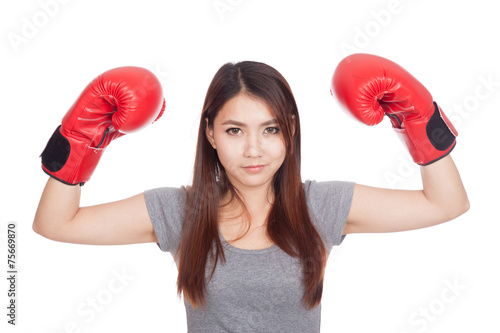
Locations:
248 141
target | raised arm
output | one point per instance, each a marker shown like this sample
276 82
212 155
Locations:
369 87
59 217
442 199
117 102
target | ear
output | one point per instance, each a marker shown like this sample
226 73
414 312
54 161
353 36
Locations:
209 131
293 125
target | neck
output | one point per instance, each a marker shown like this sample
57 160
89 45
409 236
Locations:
258 200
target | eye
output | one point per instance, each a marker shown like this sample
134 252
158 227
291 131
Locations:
233 131
272 130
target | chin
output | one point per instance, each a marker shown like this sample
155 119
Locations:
252 181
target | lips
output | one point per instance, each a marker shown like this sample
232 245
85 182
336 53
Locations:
254 168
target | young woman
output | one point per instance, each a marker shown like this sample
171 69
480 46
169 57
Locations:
250 239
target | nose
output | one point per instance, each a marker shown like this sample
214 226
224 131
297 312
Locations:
253 146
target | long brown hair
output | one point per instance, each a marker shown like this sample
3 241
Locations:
288 224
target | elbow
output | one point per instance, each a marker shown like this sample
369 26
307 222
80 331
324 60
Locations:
465 207
458 209
38 229
43 231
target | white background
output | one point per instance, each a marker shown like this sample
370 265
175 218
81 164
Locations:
375 282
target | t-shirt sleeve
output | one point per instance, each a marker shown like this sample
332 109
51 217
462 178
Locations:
329 204
166 208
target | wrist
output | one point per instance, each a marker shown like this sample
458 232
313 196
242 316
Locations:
428 139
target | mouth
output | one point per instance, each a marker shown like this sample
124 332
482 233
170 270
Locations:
254 168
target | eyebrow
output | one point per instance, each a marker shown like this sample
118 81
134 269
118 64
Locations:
237 123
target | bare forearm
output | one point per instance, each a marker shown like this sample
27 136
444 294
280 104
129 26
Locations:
443 187
58 205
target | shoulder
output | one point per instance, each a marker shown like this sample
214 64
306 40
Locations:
166 195
166 207
328 204
327 190
328 198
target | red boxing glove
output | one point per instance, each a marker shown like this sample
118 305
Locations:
370 86
118 102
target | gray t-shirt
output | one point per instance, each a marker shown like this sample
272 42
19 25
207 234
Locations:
255 290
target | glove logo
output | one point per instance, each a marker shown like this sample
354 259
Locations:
56 153
438 132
